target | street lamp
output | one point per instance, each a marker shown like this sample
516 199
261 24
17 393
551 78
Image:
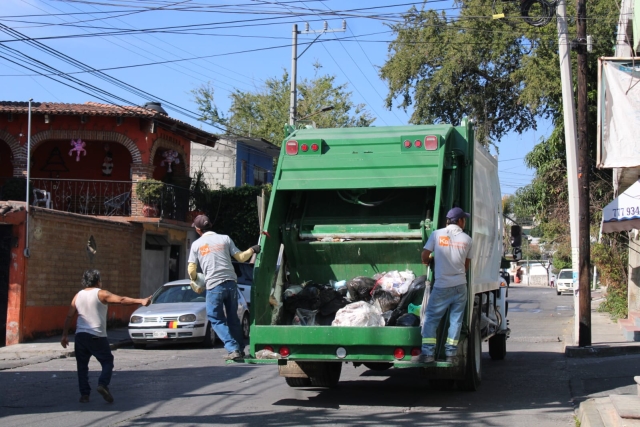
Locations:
321 110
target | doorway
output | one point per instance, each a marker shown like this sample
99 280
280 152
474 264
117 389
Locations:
5 263
174 263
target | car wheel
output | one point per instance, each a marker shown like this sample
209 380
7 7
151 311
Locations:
139 346
209 337
558 292
246 326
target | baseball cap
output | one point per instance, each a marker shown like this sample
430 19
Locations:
457 213
202 222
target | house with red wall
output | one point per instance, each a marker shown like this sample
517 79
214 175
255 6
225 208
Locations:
85 162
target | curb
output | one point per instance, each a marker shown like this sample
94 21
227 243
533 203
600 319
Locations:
600 351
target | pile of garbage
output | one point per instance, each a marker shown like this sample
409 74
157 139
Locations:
388 299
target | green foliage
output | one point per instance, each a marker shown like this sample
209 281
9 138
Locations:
15 189
264 112
611 259
234 212
149 191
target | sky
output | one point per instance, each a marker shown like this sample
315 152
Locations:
167 48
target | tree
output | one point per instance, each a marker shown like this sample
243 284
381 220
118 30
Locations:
501 73
264 112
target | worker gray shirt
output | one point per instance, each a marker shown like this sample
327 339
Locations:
213 252
450 247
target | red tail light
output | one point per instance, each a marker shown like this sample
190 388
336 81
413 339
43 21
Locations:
430 143
314 147
304 147
398 353
292 148
418 143
415 351
268 347
284 351
407 144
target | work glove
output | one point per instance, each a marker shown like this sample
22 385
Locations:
256 249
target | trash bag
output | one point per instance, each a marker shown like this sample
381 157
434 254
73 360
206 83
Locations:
305 317
308 298
414 309
408 319
333 306
387 300
414 293
395 314
360 288
386 316
359 313
292 290
326 295
267 354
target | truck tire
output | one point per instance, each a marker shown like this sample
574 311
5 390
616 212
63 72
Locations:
498 347
328 375
298 382
473 369
246 326
378 366
209 337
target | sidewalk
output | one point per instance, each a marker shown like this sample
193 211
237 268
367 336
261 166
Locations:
607 338
45 349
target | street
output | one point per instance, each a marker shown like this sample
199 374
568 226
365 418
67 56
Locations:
533 386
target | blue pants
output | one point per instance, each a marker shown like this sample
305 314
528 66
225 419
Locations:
441 299
85 346
225 297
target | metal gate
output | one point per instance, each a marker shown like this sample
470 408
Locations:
5 262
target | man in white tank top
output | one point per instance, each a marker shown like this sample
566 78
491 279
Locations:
91 331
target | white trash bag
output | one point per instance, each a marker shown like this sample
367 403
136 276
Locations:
359 313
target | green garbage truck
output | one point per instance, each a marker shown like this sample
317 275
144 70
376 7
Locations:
361 202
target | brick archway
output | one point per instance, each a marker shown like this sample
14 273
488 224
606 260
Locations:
40 137
18 151
172 144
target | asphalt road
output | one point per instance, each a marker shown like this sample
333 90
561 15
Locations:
169 386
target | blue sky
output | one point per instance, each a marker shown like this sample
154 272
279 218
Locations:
239 44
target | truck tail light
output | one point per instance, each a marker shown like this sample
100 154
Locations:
398 353
304 147
418 143
268 348
430 143
415 351
407 144
284 351
315 147
292 148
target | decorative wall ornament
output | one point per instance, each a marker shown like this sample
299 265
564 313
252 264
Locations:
170 156
78 146
55 163
107 164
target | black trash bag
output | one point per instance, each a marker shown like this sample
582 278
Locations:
388 300
408 319
307 299
327 295
386 316
324 320
395 314
333 306
414 294
360 288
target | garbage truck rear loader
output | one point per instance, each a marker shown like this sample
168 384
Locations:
359 202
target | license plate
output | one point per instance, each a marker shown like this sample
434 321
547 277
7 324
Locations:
159 334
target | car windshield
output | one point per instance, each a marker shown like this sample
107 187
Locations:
568 274
174 294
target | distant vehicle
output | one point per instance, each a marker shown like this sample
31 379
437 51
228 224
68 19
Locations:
178 314
564 282
244 271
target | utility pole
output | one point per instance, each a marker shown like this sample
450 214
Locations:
293 98
571 146
584 290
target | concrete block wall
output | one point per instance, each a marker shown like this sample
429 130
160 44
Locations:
218 163
59 257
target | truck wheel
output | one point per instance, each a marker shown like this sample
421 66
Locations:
378 366
209 337
298 382
473 369
328 375
246 326
498 347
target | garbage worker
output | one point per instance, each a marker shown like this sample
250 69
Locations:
91 331
452 250
213 252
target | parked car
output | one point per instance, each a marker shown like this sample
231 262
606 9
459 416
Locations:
244 271
564 282
178 314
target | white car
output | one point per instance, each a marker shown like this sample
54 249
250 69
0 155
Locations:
178 314
564 281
